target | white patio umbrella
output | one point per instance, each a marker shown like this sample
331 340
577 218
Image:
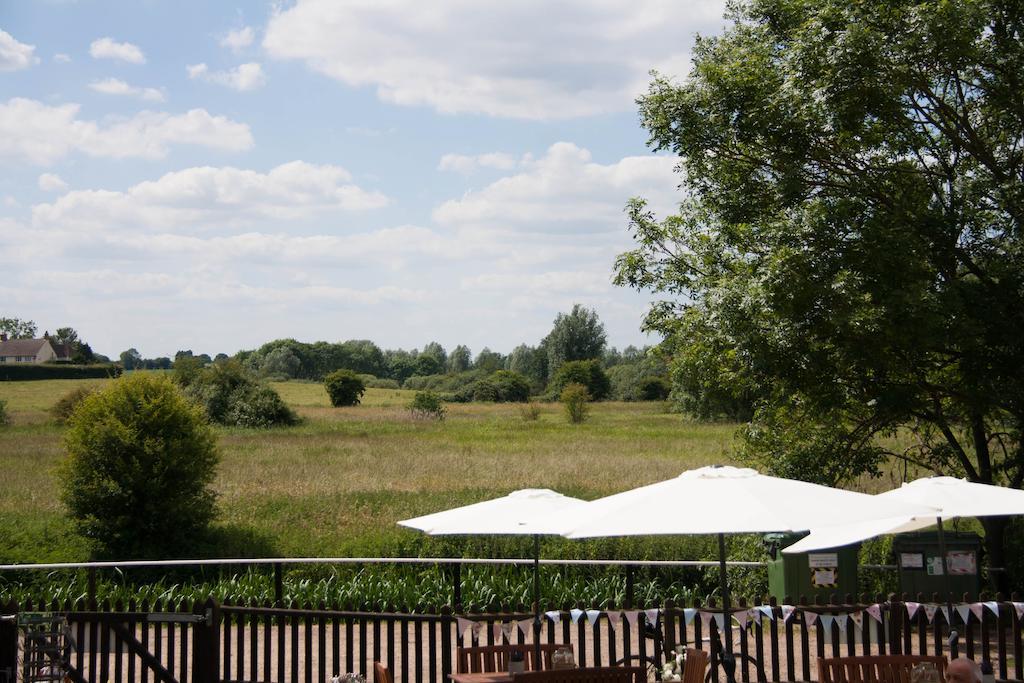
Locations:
527 512
728 500
951 498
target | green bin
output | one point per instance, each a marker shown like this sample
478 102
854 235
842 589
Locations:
920 563
818 573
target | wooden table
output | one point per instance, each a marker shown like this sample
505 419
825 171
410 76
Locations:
482 677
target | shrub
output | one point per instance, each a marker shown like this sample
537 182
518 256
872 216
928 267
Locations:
67 403
575 397
511 386
141 461
344 387
427 405
529 411
231 396
485 391
21 372
585 372
654 389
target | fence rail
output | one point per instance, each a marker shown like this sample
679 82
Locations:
244 643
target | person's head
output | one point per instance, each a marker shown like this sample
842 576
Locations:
963 670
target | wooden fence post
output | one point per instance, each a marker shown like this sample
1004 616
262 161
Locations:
206 644
896 611
9 642
446 642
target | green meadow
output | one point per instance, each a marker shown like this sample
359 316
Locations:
335 484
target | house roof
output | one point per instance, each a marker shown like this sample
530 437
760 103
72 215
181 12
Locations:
21 347
62 350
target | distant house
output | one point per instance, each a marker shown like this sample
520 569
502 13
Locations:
32 350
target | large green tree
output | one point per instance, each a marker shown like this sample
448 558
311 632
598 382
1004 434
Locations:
848 256
16 328
576 335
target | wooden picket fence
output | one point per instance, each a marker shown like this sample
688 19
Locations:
248 643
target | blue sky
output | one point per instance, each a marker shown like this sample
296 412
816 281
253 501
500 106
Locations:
212 175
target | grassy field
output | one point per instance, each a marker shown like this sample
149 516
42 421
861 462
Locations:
336 484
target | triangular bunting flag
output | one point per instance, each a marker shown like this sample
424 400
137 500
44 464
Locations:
690 612
787 612
613 618
843 620
554 615
463 624
826 621
720 620
929 612
705 619
652 616
743 617
810 618
875 611
945 613
767 610
857 618
1019 608
506 628
525 625
575 615
496 632
912 608
593 615
993 607
631 615
977 609
964 611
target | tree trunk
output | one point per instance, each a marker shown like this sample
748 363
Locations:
995 547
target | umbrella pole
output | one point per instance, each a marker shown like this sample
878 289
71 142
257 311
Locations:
728 663
536 603
953 635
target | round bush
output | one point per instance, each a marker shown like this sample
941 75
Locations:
654 389
485 391
575 397
67 403
344 387
586 372
511 386
427 405
257 405
141 460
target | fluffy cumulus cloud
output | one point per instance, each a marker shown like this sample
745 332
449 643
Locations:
41 134
15 55
564 192
51 182
238 39
243 77
115 86
458 56
206 198
108 48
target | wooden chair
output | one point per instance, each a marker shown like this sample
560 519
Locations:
598 674
381 674
874 669
488 658
696 666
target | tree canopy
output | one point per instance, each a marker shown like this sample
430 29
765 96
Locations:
847 260
576 335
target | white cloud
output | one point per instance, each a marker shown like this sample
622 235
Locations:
40 134
551 282
462 163
51 182
108 48
62 58
243 77
114 86
14 55
564 192
238 39
529 59
207 198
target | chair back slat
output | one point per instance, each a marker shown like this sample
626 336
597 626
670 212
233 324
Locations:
875 668
491 658
696 666
381 673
